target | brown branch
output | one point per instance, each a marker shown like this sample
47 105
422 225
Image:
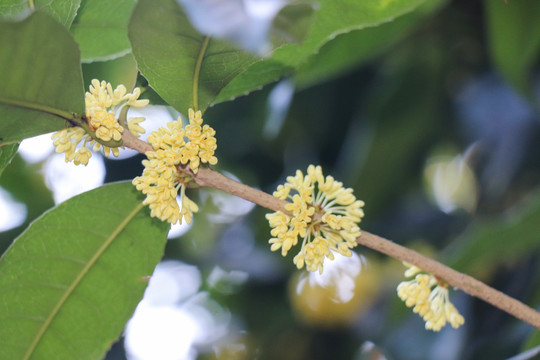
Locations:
209 178
132 142
454 278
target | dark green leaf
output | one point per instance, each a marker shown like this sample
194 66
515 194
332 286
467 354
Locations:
100 28
62 10
341 16
492 242
148 92
167 49
7 153
258 75
514 37
291 24
348 50
41 79
334 17
73 278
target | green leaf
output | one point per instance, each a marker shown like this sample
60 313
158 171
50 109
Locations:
291 24
100 28
348 50
41 79
7 153
514 39
62 10
257 75
167 49
489 243
341 16
334 17
74 277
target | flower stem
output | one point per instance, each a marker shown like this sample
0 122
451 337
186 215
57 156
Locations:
472 286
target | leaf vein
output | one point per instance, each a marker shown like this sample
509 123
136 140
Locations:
79 278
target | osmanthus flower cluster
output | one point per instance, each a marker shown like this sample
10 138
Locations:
161 182
430 299
322 213
102 105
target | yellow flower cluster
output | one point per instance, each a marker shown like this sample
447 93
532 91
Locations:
102 103
321 212
201 143
430 299
160 181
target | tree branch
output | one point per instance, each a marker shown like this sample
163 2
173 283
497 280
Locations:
209 178
454 278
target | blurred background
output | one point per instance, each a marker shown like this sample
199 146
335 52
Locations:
432 121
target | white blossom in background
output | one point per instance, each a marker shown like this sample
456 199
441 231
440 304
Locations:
36 149
13 212
66 180
244 22
174 318
340 273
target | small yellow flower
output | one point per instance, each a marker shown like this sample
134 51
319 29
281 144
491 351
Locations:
134 127
82 156
66 141
102 104
160 181
429 298
324 216
201 143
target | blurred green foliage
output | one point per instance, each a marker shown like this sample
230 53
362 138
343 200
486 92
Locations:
514 40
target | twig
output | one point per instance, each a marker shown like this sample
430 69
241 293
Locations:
209 178
454 278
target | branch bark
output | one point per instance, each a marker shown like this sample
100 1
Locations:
209 178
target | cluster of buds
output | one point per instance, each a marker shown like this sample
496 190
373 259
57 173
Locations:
173 146
429 298
102 104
